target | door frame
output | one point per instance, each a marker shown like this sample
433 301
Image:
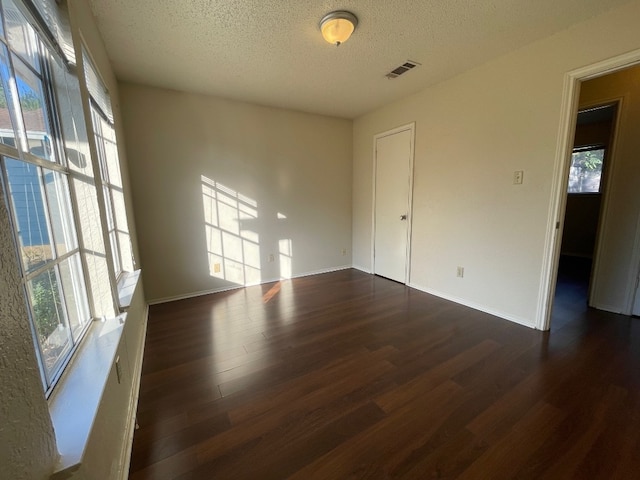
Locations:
606 188
564 148
411 127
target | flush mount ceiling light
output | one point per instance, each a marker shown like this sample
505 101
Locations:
338 26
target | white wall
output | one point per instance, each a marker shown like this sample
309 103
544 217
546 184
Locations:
617 262
472 132
294 164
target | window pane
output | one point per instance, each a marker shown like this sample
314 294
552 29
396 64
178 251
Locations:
95 253
61 219
33 106
96 88
586 171
22 38
7 131
75 295
115 251
49 319
113 163
126 255
119 209
31 219
124 241
74 132
1 26
109 207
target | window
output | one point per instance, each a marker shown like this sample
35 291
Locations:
67 207
585 174
36 185
111 178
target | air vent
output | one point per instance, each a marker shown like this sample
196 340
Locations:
404 68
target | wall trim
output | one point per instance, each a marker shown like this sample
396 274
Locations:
125 454
607 308
496 313
362 269
200 293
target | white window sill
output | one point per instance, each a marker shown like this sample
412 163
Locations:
75 400
73 406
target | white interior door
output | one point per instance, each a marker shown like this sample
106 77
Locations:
393 175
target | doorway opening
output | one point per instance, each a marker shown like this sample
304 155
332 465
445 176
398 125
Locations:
586 187
611 280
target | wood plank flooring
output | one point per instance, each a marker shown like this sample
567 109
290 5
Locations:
351 376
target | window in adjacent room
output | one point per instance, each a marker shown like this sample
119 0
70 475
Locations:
585 174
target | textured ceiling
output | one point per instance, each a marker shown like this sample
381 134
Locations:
271 52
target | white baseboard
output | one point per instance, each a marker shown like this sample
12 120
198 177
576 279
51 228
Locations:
125 454
362 269
482 308
157 301
607 308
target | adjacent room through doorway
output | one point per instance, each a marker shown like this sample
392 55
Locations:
585 188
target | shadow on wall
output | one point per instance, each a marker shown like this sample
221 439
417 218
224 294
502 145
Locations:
232 231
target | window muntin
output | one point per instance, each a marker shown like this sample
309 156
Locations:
585 173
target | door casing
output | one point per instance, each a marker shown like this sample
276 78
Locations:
411 128
557 206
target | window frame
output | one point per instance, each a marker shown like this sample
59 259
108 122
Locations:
107 190
589 148
83 288
57 165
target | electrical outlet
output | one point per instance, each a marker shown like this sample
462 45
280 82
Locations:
272 258
460 272
518 177
216 268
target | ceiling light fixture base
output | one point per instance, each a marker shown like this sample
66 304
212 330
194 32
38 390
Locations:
337 27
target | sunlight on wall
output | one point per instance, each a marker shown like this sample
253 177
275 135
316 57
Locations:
285 252
285 258
233 251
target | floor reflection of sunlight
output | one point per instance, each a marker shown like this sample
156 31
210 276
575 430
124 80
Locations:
273 291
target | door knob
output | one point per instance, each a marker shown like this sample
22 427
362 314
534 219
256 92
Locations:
403 217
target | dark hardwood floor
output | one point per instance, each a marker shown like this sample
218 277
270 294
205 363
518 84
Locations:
350 376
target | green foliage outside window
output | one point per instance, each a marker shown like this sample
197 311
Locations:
586 171
47 312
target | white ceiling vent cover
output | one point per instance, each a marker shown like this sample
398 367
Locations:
404 68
